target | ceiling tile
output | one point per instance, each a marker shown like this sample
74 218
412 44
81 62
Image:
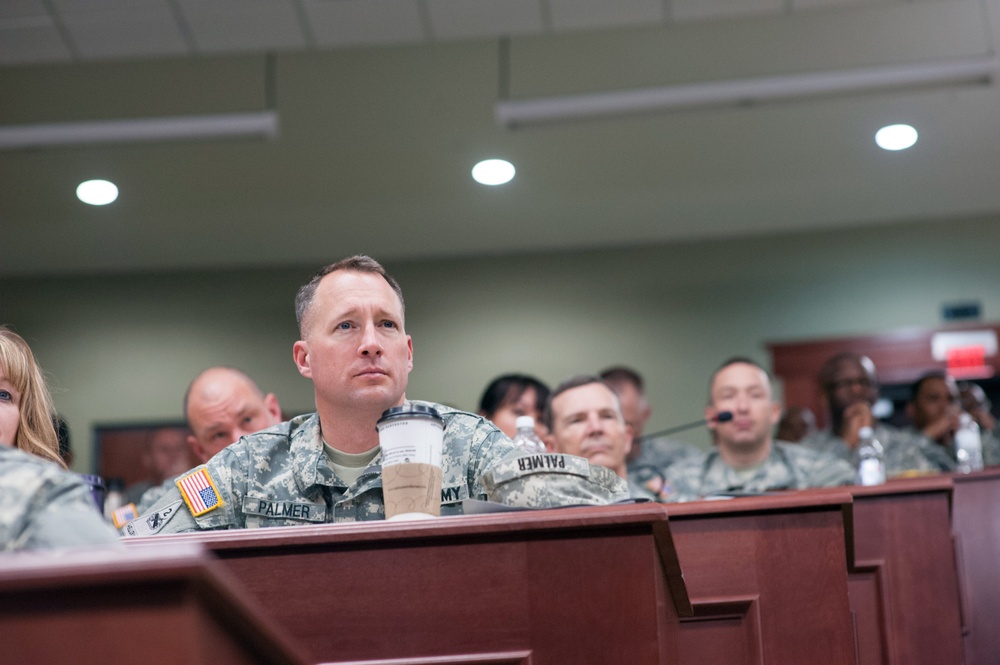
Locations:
692 10
243 25
583 14
464 19
31 44
112 29
353 22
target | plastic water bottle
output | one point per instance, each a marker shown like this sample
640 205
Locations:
870 458
968 445
526 439
115 497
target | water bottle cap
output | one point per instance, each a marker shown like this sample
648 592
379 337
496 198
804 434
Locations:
524 421
866 432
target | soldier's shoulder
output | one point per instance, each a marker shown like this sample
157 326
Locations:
19 467
457 420
282 434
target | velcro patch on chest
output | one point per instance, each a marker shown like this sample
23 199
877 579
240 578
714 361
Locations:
527 465
199 492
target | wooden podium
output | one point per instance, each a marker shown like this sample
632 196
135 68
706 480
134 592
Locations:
168 605
904 587
976 523
578 585
767 578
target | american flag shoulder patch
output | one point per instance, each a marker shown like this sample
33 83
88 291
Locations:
199 492
124 515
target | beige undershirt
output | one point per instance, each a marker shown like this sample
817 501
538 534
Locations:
349 466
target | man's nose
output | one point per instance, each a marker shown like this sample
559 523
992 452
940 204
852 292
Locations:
595 425
370 344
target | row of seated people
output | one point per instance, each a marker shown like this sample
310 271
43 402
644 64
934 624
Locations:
748 455
354 348
317 467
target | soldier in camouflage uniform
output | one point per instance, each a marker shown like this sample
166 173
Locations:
325 466
45 506
746 458
584 418
851 387
975 401
221 404
934 409
650 455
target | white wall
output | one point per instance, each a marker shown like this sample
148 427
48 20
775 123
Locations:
121 349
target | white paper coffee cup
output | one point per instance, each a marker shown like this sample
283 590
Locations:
411 438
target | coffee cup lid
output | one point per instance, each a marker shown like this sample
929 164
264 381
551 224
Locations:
411 411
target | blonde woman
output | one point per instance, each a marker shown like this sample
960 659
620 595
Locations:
42 505
26 409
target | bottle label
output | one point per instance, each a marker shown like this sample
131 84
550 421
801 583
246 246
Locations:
871 472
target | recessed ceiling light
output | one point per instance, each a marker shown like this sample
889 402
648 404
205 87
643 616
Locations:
896 137
97 192
493 172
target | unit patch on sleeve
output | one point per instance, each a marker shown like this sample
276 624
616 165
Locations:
151 523
199 492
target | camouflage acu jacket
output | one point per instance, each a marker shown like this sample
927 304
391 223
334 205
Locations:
42 506
788 467
281 476
904 451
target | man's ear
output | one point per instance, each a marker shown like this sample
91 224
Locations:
300 354
196 448
775 413
272 406
550 442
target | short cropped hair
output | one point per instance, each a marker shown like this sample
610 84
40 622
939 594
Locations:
735 360
569 384
924 378
616 376
358 263
830 367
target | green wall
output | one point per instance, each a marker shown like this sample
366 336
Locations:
122 348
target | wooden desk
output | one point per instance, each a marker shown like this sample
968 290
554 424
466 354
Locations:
579 585
904 586
976 524
779 564
155 607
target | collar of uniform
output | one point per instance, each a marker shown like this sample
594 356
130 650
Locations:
308 459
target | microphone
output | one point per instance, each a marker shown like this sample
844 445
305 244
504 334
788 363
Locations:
721 417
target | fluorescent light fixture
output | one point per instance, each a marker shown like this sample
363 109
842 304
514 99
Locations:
746 91
493 172
896 137
97 192
263 124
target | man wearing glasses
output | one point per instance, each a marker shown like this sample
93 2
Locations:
850 385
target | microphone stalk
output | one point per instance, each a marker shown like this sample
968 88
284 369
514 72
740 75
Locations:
721 417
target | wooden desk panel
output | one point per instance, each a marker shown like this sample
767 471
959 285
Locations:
904 587
581 585
100 607
976 524
780 564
